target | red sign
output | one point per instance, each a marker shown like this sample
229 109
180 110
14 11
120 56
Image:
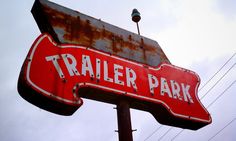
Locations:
60 74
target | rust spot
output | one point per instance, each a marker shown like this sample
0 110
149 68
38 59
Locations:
130 38
143 47
142 43
117 43
103 31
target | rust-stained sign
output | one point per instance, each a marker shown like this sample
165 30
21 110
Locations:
63 73
82 57
69 26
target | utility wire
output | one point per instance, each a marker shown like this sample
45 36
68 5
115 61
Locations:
221 94
222 128
177 134
208 106
218 81
217 72
153 133
164 134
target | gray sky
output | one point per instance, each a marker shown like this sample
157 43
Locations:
197 35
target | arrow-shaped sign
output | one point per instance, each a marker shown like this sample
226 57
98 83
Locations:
54 77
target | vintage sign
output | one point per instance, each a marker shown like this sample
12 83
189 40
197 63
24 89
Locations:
56 76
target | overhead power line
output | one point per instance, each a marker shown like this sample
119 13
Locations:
221 94
218 81
208 106
177 134
222 129
217 72
153 133
164 134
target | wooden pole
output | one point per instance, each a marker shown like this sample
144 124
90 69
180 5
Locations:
124 121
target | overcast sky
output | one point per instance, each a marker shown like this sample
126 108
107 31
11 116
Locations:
199 35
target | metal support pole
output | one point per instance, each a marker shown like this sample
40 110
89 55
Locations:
138 29
124 121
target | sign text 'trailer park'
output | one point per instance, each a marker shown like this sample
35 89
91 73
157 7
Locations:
55 77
